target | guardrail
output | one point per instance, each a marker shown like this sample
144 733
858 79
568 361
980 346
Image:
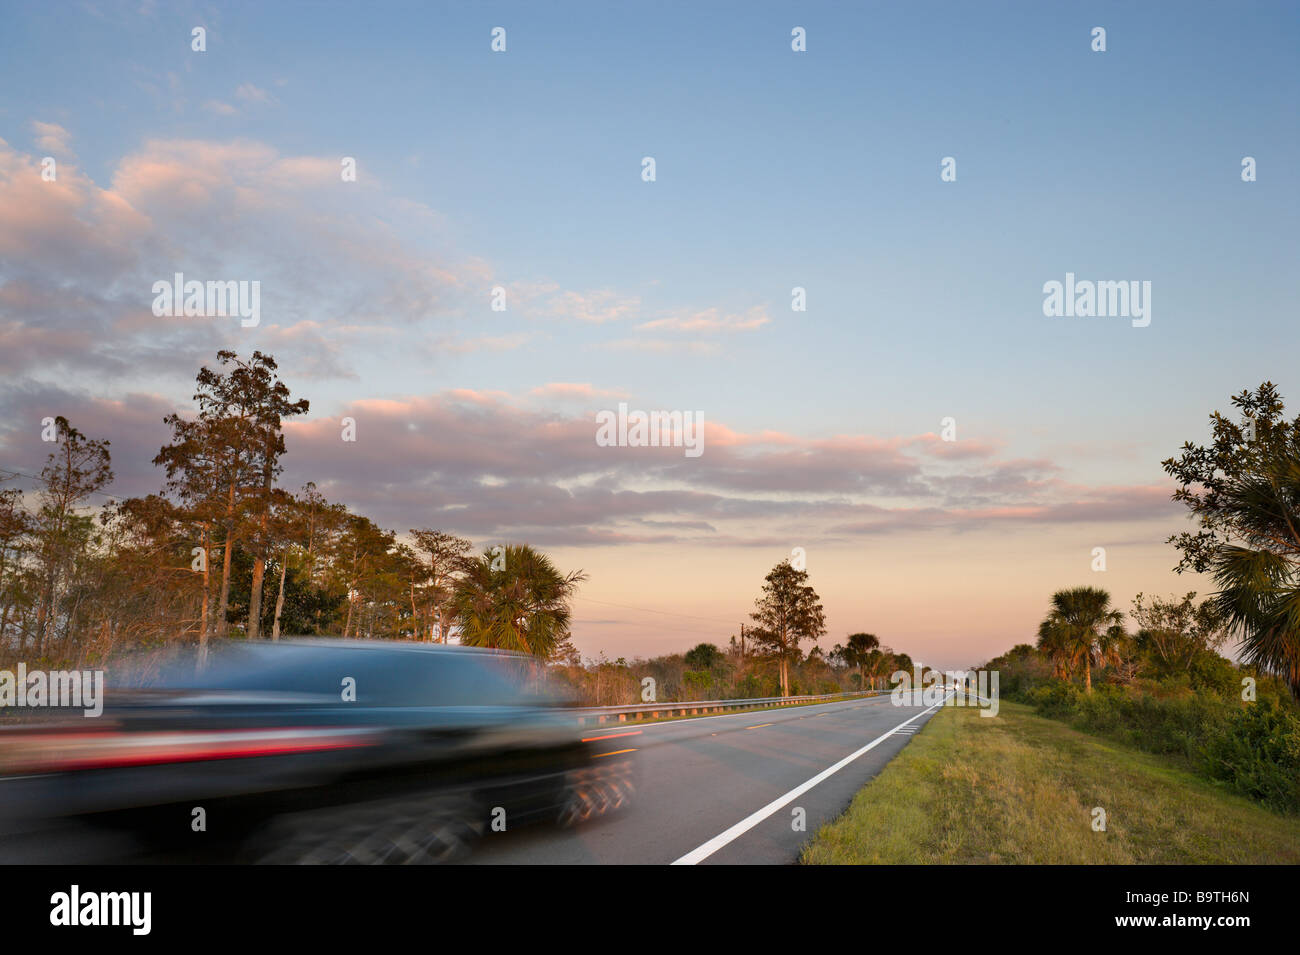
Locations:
601 714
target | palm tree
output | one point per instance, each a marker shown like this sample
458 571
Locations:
514 598
1081 627
1259 575
1051 641
857 653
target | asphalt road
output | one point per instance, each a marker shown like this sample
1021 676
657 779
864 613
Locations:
724 789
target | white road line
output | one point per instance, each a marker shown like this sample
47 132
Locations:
701 853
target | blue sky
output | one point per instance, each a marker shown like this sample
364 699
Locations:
774 169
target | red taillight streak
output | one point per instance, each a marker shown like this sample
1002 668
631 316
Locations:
136 751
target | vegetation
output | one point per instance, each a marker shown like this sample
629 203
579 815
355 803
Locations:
513 598
1020 789
1081 628
1167 691
700 674
1243 490
788 612
223 551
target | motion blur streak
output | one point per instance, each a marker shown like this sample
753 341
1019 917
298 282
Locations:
306 751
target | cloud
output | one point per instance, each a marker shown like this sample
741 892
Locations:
661 347
547 300
490 466
488 343
710 320
573 389
78 260
253 94
496 466
52 137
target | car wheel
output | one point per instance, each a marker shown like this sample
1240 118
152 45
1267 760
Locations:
596 790
431 831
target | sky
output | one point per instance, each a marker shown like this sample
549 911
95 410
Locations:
774 169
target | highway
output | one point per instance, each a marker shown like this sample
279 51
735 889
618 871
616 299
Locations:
711 790
723 789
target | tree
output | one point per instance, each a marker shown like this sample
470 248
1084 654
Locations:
704 656
514 598
788 612
253 386
364 552
209 472
448 557
15 531
1082 627
79 468
857 652
1244 492
1053 643
1175 633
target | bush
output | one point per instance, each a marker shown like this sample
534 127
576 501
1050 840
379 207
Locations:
1254 748
1056 700
1258 754
1209 671
1177 725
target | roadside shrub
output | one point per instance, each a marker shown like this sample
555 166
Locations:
1055 700
1255 749
1258 754
1209 671
1176 725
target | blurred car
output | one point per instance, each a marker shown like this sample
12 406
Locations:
315 751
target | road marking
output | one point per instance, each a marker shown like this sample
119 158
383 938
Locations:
616 752
589 739
758 727
702 852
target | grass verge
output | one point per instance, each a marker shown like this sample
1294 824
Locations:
1019 788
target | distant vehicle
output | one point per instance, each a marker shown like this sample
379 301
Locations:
318 751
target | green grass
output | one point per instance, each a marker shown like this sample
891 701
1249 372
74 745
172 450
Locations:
1018 788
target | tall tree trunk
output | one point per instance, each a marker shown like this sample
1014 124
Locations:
223 600
1087 672
255 598
43 614
415 614
223 624
279 600
207 599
